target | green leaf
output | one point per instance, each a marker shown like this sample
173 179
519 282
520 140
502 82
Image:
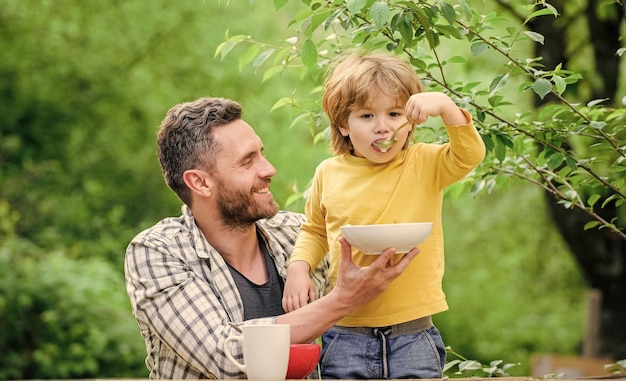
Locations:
488 142
418 63
612 197
591 225
278 4
355 6
593 199
448 30
309 54
542 12
405 28
432 38
458 59
559 83
225 47
470 85
571 194
494 100
330 19
519 145
322 136
542 87
616 114
300 118
448 12
480 114
269 73
469 365
490 370
466 10
556 159
422 18
500 149
248 56
535 36
552 9
316 20
379 11
450 364
570 79
285 101
497 83
478 186
506 367
478 47
261 58
598 125
597 102
281 55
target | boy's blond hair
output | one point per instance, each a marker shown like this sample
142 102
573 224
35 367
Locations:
355 80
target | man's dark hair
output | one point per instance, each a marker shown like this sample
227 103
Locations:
185 139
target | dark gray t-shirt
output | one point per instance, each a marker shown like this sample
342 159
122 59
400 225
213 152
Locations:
260 300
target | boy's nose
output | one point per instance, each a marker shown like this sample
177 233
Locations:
383 126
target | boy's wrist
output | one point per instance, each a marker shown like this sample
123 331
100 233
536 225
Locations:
298 267
456 117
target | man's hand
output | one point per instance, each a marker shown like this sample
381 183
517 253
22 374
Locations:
359 285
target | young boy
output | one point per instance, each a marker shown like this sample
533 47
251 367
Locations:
368 96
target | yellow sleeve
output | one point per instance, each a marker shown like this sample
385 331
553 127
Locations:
312 245
466 144
455 159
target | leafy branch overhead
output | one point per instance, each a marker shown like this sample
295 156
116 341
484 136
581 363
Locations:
572 148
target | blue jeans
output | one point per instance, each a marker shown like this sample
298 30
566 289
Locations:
381 355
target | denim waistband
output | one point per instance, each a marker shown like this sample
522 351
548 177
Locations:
413 326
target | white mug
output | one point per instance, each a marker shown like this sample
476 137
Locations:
265 351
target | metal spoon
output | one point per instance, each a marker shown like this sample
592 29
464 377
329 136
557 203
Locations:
386 144
235 326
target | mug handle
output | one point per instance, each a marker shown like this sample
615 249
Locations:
229 355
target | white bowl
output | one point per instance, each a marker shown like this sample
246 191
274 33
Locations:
374 239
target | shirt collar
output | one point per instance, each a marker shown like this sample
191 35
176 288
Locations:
206 251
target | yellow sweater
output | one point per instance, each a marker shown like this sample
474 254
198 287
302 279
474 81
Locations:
352 190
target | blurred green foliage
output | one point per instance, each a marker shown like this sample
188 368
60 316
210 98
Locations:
62 317
83 87
512 286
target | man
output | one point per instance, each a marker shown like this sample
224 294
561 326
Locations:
224 260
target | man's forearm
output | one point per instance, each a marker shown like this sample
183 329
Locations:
313 319
355 287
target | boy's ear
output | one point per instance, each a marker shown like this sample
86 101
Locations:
198 182
344 131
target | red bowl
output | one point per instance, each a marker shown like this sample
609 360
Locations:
302 360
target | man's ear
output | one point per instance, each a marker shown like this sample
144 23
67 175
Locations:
198 182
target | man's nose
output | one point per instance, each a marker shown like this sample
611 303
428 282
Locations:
267 169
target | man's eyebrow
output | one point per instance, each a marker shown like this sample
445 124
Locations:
250 155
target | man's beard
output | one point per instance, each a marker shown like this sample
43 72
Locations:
239 209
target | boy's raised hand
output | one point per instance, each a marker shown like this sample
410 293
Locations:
421 106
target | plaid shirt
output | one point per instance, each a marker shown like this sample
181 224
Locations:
183 295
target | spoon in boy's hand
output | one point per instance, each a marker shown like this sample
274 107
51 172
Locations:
386 144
